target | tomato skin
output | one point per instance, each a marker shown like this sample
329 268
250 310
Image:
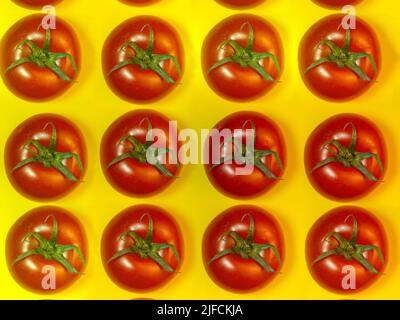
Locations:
35 4
231 81
28 81
132 83
240 4
28 272
130 271
336 3
268 137
328 272
131 177
232 272
34 181
328 81
334 180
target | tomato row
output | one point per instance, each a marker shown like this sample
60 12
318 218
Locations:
142 248
229 3
244 155
143 58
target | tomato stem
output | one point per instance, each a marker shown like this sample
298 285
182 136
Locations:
50 250
43 58
349 249
246 248
250 155
246 57
344 58
349 157
49 157
146 248
147 59
145 153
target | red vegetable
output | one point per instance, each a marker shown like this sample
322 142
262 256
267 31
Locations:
336 3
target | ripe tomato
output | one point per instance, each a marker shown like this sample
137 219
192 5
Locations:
338 64
45 157
39 64
142 248
143 59
243 248
46 250
345 157
242 57
240 3
251 130
139 2
336 3
35 4
125 151
346 250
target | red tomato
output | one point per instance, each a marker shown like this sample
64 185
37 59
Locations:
243 248
26 72
45 157
46 250
337 69
36 3
242 57
240 3
265 165
336 3
345 157
143 59
139 2
142 248
124 151
346 250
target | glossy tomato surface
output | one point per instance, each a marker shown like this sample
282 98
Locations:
132 82
336 3
32 272
240 4
233 272
36 4
335 180
331 272
28 80
34 180
232 178
132 176
328 80
231 80
130 271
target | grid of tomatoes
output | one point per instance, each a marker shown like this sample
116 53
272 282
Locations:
142 247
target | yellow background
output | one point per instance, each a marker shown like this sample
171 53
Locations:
192 200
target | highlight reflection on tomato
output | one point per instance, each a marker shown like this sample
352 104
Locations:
345 157
142 248
338 64
45 157
23 67
347 250
243 249
46 250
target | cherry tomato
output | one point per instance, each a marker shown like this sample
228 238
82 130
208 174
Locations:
45 157
338 64
240 4
242 57
46 250
345 157
142 248
243 249
36 4
258 167
336 3
139 2
143 59
39 64
346 250
126 147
